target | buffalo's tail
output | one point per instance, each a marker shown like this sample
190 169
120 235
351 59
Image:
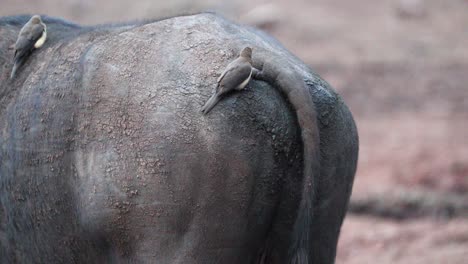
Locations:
292 85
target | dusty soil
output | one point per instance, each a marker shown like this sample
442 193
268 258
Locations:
376 240
401 65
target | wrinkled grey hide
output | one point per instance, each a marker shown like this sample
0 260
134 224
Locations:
105 157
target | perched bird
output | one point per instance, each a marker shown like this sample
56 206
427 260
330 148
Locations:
235 77
32 36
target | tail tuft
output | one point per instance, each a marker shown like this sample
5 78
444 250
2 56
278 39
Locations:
300 257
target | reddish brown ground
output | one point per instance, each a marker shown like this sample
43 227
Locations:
402 67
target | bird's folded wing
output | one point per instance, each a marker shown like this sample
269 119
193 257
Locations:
36 33
28 38
232 65
222 75
237 74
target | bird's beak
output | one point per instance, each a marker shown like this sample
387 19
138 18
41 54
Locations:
214 99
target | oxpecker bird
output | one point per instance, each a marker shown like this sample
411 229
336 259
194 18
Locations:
235 77
32 36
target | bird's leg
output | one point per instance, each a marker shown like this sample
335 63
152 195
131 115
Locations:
257 74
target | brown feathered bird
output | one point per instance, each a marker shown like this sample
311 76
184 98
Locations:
32 36
235 77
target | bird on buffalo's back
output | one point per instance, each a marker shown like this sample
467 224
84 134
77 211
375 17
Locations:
32 36
235 77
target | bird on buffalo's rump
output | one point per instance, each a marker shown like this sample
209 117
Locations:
235 77
32 36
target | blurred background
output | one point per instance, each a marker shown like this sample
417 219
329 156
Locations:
402 68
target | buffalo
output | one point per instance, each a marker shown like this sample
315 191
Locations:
106 158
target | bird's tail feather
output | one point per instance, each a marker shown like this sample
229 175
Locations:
13 71
214 99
